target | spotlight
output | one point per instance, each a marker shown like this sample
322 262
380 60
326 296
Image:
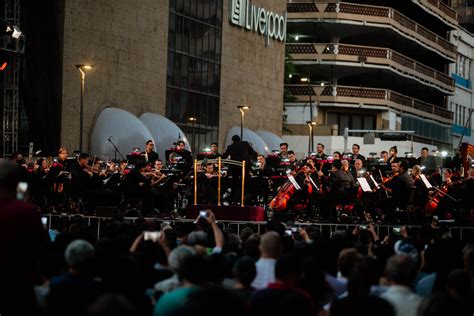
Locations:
7 29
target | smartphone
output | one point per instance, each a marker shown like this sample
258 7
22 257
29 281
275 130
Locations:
153 236
21 189
203 213
396 230
363 227
289 232
44 221
294 229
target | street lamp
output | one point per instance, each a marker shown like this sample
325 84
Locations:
242 109
82 68
193 121
310 141
308 81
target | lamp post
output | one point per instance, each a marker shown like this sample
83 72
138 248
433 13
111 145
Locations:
193 121
242 109
308 81
310 141
82 68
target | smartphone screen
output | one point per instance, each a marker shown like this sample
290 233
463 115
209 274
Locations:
153 236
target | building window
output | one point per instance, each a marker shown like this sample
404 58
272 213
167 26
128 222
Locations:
194 65
353 121
463 66
427 129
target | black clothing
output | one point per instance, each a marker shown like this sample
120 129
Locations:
240 151
131 185
80 181
152 157
429 163
341 181
358 156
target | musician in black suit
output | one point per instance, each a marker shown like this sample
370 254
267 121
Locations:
186 156
356 155
150 155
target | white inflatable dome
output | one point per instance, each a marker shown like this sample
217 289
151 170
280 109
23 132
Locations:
273 141
124 129
257 143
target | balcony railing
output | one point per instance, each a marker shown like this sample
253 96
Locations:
370 55
308 9
442 7
370 96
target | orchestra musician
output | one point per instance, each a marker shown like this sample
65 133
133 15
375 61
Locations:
292 160
283 151
81 174
341 185
261 176
393 155
262 169
320 152
421 191
427 161
215 151
356 155
399 186
136 185
186 157
150 155
357 169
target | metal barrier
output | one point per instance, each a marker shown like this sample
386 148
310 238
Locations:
326 229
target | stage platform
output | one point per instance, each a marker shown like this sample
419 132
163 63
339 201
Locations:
97 223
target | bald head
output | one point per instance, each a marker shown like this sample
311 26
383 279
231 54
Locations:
271 245
9 178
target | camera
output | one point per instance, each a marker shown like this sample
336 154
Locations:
153 236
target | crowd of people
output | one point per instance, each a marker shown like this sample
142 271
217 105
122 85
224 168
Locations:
160 268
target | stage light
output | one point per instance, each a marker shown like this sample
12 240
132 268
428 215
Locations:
7 29
444 153
3 66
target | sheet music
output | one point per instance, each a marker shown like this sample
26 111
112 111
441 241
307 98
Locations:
293 181
375 182
364 184
425 181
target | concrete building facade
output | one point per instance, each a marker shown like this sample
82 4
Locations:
128 43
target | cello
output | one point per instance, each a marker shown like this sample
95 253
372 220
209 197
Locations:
280 202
